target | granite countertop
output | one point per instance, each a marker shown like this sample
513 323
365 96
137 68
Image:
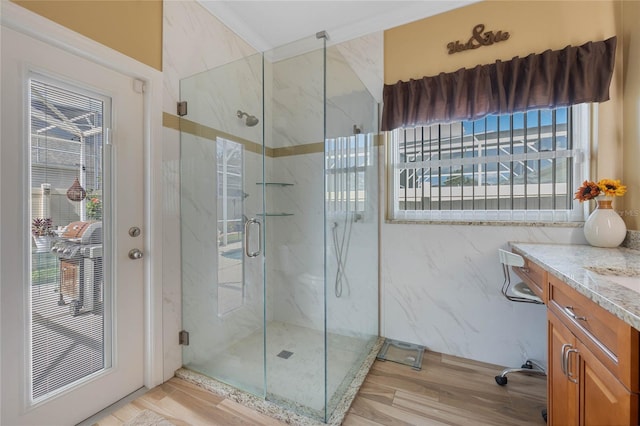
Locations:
604 275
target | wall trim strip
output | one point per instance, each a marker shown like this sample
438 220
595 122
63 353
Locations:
175 122
181 124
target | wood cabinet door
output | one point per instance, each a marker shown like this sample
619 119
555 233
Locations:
603 399
562 393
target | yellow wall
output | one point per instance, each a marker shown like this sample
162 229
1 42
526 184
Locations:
419 49
132 27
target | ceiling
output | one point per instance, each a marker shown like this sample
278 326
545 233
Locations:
268 24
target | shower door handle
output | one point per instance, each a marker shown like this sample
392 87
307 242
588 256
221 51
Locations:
247 228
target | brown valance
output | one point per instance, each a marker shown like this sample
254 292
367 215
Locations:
553 78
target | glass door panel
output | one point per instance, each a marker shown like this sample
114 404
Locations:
295 308
222 261
351 210
68 341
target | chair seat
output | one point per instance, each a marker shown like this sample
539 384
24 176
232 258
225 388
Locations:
522 290
519 292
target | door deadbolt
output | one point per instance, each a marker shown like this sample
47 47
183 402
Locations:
135 254
134 231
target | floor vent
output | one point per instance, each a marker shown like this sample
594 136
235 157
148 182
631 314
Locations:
402 353
285 354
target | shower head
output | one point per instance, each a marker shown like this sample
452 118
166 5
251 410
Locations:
250 120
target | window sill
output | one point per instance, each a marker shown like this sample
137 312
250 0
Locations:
486 223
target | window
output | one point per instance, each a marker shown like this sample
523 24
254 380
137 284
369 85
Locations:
511 167
231 195
69 313
346 162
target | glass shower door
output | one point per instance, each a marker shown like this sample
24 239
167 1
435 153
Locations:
351 212
295 305
222 258
279 225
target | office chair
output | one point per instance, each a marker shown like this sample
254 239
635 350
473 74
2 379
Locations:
518 292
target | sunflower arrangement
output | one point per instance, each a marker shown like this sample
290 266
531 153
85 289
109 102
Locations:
608 187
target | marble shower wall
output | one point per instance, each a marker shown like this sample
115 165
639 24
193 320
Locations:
193 41
294 255
295 251
349 102
215 96
297 86
365 56
441 288
296 102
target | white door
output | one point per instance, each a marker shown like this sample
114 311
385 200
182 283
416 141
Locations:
71 325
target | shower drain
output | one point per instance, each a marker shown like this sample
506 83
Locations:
285 354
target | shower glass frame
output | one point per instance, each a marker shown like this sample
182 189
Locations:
213 335
292 333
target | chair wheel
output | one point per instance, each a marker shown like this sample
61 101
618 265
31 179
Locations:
527 365
501 380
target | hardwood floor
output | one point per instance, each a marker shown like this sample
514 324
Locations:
447 391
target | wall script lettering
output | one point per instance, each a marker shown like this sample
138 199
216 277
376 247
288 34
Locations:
479 38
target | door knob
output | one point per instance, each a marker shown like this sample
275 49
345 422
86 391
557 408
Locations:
135 254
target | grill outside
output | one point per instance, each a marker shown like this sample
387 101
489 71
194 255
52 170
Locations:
79 251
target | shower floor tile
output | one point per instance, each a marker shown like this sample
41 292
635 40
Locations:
297 380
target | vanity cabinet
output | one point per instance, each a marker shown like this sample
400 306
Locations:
593 363
562 393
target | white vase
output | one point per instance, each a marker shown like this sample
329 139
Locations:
604 226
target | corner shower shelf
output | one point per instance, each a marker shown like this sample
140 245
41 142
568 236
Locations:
275 214
275 183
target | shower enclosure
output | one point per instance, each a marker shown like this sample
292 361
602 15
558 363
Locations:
279 215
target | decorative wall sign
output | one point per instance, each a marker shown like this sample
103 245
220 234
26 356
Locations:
479 38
